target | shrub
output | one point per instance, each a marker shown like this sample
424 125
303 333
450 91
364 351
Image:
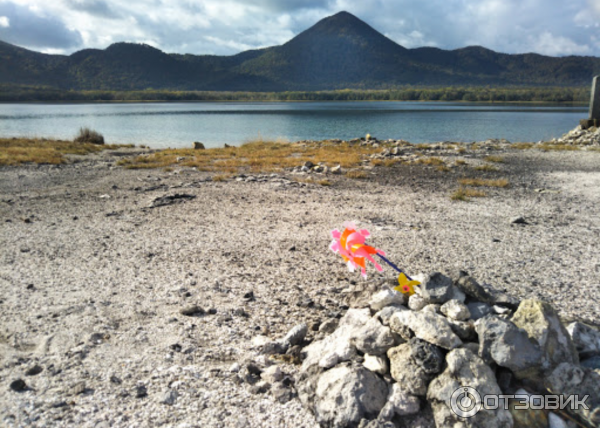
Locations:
87 135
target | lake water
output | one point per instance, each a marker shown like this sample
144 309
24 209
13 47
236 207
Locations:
162 125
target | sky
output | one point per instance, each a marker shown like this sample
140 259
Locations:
226 27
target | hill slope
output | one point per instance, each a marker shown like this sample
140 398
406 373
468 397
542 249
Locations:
340 51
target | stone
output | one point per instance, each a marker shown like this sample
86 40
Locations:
416 302
502 342
345 395
168 397
585 338
455 310
375 363
328 326
385 298
531 417
337 170
192 311
18 385
77 388
198 145
542 324
466 369
282 393
410 376
436 288
34 371
374 338
427 356
260 387
273 348
485 294
518 220
434 308
465 330
432 328
272 374
296 335
386 313
400 403
478 310
140 391
591 363
571 379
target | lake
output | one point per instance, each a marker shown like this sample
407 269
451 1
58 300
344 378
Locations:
161 125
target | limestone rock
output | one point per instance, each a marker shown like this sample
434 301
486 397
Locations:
399 403
376 363
385 298
585 338
455 310
466 369
428 326
410 376
479 310
502 342
416 302
345 395
484 294
542 324
296 335
437 288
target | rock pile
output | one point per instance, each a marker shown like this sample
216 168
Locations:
580 137
402 362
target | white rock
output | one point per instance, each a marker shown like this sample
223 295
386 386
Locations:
416 302
376 364
385 298
430 327
403 403
272 374
456 310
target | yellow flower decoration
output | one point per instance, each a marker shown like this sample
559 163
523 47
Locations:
405 286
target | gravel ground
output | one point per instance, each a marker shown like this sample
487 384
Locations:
92 280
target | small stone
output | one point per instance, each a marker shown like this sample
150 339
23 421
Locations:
432 328
478 310
282 393
376 364
140 391
436 288
273 348
33 371
234 368
585 338
385 298
465 330
518 220
296 335
427 356
328 326
192 311
272 374
386 313
260 387
411 377
434 308
169 397
416 302
337 170
77 388
455 310
18 385
402 402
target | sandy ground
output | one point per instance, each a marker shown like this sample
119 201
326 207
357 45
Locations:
92 281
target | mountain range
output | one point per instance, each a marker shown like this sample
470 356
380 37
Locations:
338 52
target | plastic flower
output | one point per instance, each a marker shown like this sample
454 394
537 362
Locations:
406 286
350 244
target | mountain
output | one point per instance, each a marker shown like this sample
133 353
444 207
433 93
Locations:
340 51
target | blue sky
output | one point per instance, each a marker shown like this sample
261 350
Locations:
224 27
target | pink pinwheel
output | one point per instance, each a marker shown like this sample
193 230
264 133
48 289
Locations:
350 244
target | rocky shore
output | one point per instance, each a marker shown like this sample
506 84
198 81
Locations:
178 298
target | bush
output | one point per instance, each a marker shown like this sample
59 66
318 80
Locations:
87 135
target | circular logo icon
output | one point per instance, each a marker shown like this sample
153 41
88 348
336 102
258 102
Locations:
465 402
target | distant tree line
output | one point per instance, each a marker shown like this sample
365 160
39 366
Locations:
14 93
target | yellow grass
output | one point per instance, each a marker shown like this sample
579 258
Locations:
522 146
495 159
487 168
464 194
357 174
478 182
17 151
324 182
443 168
256 156
431 161
459 162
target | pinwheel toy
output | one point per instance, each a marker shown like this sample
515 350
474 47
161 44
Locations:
350 244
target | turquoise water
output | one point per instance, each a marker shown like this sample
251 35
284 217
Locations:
162 125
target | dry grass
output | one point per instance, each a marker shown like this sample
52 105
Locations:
17 151
443 168
431 161
87 135
325 182
494 159
522 146
460 162
255 156
487 168
461 150
221 177
465 194
478 182
547 147
356 174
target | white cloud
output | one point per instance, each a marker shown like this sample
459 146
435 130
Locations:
552 27
4 22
